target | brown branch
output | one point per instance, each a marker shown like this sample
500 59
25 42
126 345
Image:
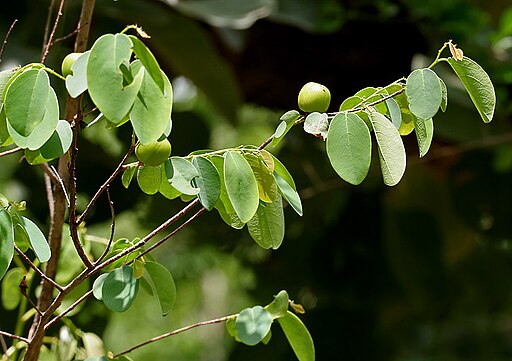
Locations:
69 309
52 34
10 151
38 271
6 38
23 290
16 337
48 23
112 229
180 330
104 186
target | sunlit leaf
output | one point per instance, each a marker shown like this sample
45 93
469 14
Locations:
164 285
149 61
424 93
391 149
149 178
266 227
55 147
97 286
120 289
76 83
317 124
253 324
298 336
267 186
37 239
182 174
128 174
444 95
6 241
208 182
349 147
424 130
279 306
287 121
478 85
241 185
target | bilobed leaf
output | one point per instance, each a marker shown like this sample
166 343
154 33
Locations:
149 61
287 121
120 289
317 124
11 295
266 227
76 83
152 107
253 324
424 93
6 241
424 130
164 285
97 286
183 173
55 147
26 99
166 189
241 185
105 80
267 186
37 240
349 147
478 85
208 182
128 174
298 336
391 149
279 306
43 130
149 178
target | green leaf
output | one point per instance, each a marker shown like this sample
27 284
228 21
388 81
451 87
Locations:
253 324
120 289
424 130
119 246
444 95
281 170
424 93
349 147
76 83
477 84
394 112
37 240
391 149
55 147
279 306
128 174
231 327
152 107
266 227
164 285
149 179
5 76
317 124
6 241
350 103
166 189
26 100
208 182
43 130
298 336
105 80
149 61
287 121
97 286
183 174
11 295
5 137
288 193
267 187
20 234
241 185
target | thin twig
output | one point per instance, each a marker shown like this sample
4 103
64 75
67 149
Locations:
104 186
48 23
62 38
69 309
4 347
180 330
10 151
49 193
51 172
16 337
52 34
112 228
6 38
186 223
35 268
23 290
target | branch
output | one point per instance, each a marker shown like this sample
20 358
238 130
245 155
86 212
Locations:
104 186
112 228
5 40
10 151
175 332
52 34
35 268
67 310
16 337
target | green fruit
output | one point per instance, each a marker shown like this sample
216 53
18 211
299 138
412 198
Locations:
68 62
314 97
154 153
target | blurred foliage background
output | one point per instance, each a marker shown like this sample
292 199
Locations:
420 271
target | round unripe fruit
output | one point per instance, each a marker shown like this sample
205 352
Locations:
314 97
68 61
154 153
